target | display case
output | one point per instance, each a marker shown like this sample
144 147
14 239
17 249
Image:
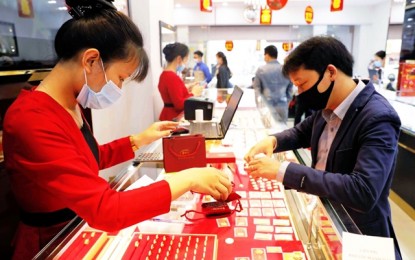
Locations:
273 223
404 176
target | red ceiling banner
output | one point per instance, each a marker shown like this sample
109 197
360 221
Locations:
206 6
25 8
336 5
265 16
276 4
229 45
309 14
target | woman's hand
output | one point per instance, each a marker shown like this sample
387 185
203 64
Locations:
265 167
189 86
206 180
197 90
265 146
156 131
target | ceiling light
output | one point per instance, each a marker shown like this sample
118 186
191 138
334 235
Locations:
51 2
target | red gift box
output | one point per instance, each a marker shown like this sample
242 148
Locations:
184 152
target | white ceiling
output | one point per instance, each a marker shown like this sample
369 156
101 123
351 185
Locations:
191 3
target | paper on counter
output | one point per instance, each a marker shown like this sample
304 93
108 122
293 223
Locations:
361 247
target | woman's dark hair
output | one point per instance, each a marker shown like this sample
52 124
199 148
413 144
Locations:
173 50
381 54
317 53
97 24
224 60
223 57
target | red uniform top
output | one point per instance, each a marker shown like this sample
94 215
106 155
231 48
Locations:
174 93
52 167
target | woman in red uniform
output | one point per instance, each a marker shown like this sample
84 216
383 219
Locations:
50 153
172 89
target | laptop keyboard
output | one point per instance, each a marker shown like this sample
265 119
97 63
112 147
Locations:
207 129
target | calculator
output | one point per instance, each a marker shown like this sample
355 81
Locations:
148 157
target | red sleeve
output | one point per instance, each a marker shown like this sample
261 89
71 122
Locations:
115 152
177 92
51 168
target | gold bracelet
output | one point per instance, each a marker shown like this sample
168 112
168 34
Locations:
133 146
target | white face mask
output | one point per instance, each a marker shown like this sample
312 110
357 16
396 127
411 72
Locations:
108 95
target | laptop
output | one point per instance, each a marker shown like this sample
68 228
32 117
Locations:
217 130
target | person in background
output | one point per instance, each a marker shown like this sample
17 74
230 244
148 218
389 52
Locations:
300 109
223 73
273 86
391 78
201 66
252 83
375 68
51 156
353 137
172 89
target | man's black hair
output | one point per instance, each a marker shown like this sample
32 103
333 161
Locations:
272 51
317 53
198 53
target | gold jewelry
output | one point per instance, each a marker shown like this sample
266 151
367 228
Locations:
133 146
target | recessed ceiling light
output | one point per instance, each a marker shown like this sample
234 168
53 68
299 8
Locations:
51 2
178 5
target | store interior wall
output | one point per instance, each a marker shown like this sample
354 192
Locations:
369 32
140 104
249 43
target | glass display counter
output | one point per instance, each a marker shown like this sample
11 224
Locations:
404 177
274 223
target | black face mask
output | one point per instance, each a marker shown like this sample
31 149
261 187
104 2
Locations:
313 99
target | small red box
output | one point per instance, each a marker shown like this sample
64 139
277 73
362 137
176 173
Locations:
220 157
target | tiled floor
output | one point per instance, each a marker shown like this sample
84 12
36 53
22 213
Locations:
405 231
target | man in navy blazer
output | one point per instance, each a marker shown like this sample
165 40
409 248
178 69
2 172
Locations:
353 138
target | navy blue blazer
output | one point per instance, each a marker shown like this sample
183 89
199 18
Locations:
360 162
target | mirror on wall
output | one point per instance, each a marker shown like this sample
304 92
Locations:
167 35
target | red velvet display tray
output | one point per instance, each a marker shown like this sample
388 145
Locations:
242 235
263 230
169 246
331 239
86 246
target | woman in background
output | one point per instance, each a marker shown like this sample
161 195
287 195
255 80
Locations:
376 68
172 89
223 73
50 153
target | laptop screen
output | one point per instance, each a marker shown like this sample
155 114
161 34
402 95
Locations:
231 108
